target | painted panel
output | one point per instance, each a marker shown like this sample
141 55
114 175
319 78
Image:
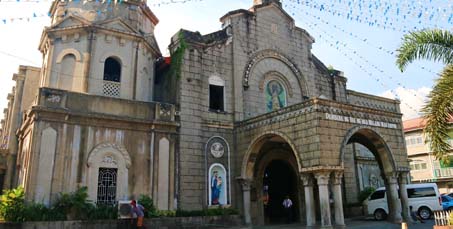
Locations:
163 179
46 164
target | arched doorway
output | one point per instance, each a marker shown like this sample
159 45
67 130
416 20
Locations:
271 164
279 181
361 137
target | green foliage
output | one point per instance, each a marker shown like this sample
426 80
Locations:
432 44
437 113
177 57
365 193
40 212
147 203
75 204
207 212
435 45
12 205
102 211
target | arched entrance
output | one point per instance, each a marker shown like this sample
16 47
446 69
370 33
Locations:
366 138
279 181
273 169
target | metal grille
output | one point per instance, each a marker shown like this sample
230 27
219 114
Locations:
111 88
107 186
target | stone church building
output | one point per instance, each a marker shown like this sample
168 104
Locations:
240 117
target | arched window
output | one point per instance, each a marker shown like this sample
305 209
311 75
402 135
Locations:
275 95
112 70
67 72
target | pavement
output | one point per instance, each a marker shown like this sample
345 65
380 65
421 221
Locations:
355 223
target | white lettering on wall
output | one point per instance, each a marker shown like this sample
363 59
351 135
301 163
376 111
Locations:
368 122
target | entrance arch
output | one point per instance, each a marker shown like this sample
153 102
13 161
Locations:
270 155
376 144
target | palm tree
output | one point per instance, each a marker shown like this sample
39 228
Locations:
436 45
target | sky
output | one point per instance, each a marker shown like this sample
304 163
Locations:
358 37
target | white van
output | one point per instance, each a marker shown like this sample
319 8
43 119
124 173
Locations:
424 198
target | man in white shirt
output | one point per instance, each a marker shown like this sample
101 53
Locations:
287 204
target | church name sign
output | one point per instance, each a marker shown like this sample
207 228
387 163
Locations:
368 122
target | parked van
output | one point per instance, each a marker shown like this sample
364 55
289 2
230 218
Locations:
424 198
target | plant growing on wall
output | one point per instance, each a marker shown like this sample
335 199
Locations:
177 57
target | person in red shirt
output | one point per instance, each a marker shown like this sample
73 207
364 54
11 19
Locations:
139 211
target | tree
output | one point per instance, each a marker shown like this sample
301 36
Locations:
435 45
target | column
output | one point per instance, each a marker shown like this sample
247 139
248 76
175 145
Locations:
402 181
392 197
322 178
307 180
338 201
246 186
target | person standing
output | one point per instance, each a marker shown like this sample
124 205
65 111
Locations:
138 211
287 204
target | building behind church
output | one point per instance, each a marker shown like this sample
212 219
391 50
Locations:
240 117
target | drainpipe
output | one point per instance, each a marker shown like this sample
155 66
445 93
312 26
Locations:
134 90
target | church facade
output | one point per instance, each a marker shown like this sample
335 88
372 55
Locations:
241 117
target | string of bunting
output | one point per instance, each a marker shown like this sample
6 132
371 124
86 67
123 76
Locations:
401 20
364 40
368 73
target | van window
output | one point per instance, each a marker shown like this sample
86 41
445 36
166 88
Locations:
377 195
420 192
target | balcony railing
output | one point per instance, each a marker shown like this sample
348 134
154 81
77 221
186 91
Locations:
111 88
443 172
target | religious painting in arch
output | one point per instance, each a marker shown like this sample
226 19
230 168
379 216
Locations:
217 185
275 95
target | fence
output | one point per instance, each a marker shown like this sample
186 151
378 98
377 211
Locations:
442 218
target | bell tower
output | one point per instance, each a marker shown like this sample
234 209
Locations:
101 48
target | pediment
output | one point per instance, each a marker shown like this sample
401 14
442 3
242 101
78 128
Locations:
278 11
71 21
117 24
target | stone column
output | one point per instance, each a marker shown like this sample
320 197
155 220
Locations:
338 201
246 186
322 177
392 198
307 180
402 181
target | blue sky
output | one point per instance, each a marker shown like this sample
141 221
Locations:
362 50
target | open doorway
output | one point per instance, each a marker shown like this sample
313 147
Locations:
279 181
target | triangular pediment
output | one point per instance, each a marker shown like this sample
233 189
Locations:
71 21
118 24
277 10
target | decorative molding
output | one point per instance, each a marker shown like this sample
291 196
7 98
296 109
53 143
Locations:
307 179
269 54
108 159
322 177
103 146
337 175
245 183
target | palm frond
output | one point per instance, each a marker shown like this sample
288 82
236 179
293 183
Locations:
438 111
436 45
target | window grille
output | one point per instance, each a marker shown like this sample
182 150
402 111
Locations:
111 88
107 186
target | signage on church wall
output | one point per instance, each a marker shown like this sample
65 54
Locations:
368 122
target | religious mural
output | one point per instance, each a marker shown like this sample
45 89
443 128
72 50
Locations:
218 185
275 96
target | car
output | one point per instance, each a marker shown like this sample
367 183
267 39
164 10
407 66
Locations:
424 198
447 203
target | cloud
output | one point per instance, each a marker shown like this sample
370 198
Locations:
412 100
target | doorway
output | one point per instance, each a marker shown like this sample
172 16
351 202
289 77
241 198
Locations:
279 181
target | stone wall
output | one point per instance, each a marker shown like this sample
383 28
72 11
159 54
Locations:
157 223
62 143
